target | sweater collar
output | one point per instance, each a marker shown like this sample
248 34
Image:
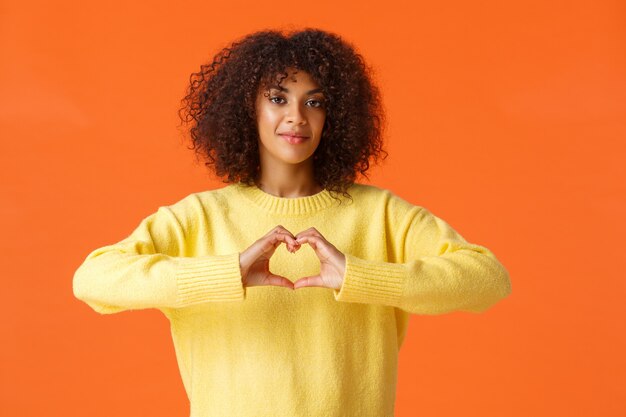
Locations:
285 205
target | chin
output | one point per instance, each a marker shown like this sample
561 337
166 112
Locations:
297 161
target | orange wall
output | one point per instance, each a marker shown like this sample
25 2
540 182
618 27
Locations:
507 120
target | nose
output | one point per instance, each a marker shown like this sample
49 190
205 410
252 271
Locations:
295 114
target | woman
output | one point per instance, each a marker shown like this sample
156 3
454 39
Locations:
313 327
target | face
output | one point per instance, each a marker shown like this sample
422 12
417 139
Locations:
295 108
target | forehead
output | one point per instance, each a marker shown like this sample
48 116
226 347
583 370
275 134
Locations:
295 77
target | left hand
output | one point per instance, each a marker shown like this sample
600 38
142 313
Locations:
332 261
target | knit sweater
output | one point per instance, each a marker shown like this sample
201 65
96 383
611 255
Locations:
268 351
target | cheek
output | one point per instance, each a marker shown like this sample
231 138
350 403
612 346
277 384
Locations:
320 123
267 119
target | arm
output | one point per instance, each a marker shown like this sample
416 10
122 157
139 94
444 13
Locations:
145 270
442 272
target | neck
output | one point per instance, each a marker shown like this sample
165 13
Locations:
289 181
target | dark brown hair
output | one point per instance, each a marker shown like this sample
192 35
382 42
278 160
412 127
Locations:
220 105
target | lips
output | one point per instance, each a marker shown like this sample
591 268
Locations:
293 139
293 133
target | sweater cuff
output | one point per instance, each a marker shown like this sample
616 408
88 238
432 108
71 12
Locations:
371 282
209 278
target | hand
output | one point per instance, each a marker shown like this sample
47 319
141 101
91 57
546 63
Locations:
254 261
332 261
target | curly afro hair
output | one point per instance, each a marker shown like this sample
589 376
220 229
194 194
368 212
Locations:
220 105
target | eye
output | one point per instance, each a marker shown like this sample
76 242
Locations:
319 103
316 103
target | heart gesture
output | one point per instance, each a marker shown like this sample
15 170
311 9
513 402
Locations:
254 261
332 261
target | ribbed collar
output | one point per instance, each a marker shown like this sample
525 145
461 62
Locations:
285 205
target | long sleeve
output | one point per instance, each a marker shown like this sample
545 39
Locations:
441 271
146 270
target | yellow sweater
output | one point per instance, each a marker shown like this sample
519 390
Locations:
271 351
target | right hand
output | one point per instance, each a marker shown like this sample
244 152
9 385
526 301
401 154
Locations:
255 261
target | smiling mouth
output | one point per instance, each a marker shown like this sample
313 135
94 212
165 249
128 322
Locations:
294 140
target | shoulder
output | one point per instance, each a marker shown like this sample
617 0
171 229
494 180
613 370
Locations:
368 194
199 202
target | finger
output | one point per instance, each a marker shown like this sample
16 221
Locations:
293 245
311 281
291 239
280 228
278 280
312 234
277 237
313 241
267 246
308 232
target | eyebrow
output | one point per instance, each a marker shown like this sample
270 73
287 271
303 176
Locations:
281 88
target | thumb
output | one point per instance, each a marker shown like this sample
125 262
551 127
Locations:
310 281
278 280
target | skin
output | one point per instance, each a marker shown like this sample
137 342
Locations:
287 171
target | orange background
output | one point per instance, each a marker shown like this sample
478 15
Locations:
505 119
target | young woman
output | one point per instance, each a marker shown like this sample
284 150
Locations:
289 290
